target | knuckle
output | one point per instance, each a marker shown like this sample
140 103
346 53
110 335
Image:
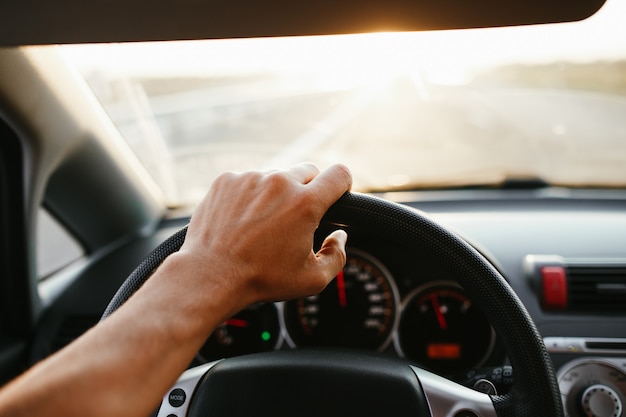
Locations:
277 181
225 178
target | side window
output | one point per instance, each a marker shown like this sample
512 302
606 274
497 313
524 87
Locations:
56 248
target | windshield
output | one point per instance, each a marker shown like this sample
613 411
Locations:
403 111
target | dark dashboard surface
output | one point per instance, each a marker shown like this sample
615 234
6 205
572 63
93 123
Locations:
393 300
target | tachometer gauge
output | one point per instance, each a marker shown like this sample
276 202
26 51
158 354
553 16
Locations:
443 331
255 329
356 310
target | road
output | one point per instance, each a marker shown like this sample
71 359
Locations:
397 133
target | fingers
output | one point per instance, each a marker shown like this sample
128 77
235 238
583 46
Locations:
331 184
332 255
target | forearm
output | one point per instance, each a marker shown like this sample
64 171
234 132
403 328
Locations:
250 240
124 365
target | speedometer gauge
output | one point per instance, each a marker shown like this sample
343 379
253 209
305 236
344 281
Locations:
443 331
356 310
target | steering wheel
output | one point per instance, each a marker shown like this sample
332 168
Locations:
339 383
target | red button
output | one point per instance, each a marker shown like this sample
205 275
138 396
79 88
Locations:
554 283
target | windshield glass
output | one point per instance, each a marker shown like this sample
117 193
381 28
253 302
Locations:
403 111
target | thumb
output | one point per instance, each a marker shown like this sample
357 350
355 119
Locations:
332 254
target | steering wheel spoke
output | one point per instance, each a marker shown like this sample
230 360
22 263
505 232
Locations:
329 383
447 398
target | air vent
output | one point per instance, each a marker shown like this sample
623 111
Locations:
596 288
585 285
71 328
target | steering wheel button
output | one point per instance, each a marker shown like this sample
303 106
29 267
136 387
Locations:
485 386
177 397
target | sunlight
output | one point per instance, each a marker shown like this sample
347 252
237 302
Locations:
209 105
447 56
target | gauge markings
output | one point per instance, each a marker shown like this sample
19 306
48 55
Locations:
356 310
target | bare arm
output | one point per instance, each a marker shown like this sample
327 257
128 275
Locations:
249 240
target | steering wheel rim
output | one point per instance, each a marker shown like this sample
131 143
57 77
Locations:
534 392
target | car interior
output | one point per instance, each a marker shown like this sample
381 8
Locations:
499 291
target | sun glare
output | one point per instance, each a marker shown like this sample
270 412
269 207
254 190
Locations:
443 56
198 108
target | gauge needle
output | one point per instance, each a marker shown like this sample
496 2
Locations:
236 323
443 325
341 289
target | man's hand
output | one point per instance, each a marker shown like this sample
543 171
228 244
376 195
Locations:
260 227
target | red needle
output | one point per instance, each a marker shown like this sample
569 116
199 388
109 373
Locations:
341 289
236 323
440 318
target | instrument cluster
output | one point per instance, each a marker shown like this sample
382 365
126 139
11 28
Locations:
412 312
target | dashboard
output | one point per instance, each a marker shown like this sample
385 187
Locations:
395 301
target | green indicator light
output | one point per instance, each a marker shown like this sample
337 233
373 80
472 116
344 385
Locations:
266 336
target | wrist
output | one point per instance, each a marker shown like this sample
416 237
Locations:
196 294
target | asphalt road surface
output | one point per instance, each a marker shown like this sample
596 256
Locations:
399 133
